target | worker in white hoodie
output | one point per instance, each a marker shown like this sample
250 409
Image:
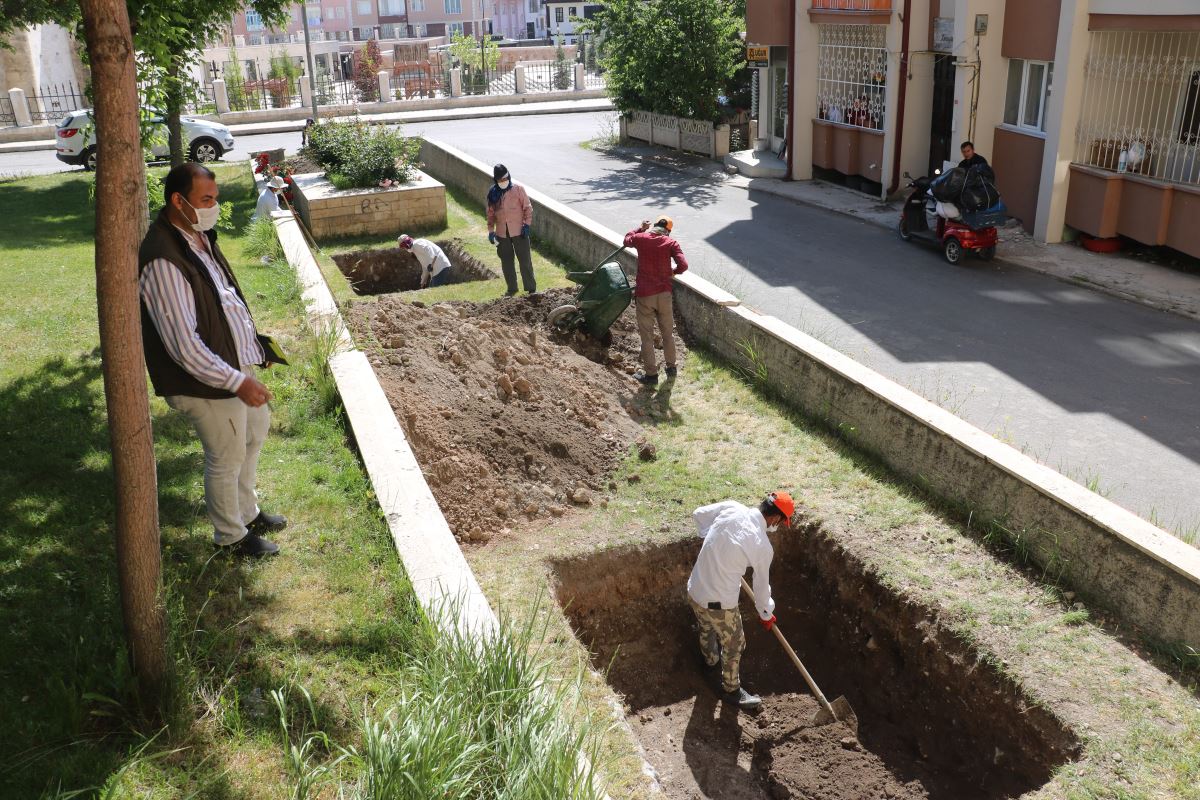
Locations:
735 538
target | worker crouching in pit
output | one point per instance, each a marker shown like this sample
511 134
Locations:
735 538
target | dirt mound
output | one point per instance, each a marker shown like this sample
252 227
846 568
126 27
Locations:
622 353
507 424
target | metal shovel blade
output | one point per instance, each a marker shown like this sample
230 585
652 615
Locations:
839 711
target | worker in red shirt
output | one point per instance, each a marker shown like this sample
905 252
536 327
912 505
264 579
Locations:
652 296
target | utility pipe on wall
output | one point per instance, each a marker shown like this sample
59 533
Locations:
790 142
905 21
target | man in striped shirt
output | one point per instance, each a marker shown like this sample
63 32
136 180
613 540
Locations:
203 351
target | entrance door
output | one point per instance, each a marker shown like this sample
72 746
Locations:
779 99
943 111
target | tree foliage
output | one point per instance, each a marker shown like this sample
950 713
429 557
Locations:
669 56
366 71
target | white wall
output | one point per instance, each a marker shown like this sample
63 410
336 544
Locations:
1152 7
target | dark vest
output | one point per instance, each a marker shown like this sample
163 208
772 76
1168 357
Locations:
163 240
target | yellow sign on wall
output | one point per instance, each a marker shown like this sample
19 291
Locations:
758 56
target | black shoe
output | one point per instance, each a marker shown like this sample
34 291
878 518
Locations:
253 546
510 293
672 372
646 380
267 522
742 699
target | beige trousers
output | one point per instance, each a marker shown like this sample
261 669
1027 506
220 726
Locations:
651 309
232 434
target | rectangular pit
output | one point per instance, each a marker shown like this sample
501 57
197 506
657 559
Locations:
936 720
394 270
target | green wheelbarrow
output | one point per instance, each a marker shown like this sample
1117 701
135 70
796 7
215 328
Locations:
604 294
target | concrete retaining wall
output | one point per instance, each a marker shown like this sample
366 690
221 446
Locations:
1111 557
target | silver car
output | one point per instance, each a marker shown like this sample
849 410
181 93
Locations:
75 138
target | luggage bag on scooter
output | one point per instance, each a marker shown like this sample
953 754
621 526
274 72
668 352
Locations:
948 186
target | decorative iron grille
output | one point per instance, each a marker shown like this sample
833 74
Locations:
1141 97
7 117
852 5
852 65
333 93
53 103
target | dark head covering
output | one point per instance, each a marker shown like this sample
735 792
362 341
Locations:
495 193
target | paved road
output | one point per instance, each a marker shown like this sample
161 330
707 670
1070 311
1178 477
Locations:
1102 390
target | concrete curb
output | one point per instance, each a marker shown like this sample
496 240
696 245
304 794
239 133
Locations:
1112 557
442 580
28 147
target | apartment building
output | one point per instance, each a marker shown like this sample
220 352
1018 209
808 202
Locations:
1089 110
561 16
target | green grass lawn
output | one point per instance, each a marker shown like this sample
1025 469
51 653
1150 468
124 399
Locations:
333 615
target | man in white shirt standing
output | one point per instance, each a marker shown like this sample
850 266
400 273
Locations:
735 538
203 352
435 267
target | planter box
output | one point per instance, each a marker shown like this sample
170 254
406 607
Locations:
332 213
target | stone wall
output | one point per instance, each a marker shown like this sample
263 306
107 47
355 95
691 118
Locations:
1109 556
332 213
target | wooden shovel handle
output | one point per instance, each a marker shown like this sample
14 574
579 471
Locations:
812 685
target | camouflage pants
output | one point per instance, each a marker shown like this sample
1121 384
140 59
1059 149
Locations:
721 638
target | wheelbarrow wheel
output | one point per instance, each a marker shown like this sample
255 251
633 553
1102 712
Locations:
558 316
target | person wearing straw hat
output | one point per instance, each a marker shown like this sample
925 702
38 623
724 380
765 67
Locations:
268 201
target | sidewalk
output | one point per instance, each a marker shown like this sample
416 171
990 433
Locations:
426 115
1115 274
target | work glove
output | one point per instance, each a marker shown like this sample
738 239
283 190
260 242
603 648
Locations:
525 231
768 623
491 237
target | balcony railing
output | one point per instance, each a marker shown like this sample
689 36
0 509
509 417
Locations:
861 6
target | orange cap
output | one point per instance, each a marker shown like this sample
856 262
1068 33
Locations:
783 501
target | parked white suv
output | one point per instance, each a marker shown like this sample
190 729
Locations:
75 138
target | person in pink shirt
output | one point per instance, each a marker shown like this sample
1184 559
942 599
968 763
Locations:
509 215
652 295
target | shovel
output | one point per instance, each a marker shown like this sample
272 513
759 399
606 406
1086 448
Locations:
839 709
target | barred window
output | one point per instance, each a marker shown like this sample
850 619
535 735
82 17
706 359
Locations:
1141 97
851 74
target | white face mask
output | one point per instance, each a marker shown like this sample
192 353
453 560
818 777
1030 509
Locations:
504 184
206 218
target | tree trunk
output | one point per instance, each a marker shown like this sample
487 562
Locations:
174 102
119 221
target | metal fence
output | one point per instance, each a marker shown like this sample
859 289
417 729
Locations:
53 102
416 80
1141 104
549 76
7 117
202 101
336 93
253 95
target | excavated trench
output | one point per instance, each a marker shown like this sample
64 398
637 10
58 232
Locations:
935 719
396 270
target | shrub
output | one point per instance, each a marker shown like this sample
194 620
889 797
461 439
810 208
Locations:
357 155
366 71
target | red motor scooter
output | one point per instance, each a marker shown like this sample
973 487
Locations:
955 237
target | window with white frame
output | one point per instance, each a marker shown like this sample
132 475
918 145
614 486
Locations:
391 8
852 75
454 29
364 7
453 6
571 12
340 12
417 5
1028 94
253 21
533 6
558 14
